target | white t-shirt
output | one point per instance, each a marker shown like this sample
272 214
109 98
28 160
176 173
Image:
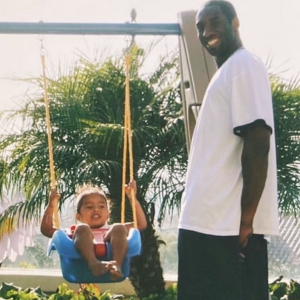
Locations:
238 94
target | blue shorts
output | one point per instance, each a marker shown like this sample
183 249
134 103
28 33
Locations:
211 267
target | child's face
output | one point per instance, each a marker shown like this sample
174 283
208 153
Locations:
94 211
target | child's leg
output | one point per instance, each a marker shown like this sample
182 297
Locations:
83 239
117 236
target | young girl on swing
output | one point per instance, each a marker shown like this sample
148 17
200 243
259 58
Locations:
93 213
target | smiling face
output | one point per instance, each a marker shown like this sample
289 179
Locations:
93 211
216 33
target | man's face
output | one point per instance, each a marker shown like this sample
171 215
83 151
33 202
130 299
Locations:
215 32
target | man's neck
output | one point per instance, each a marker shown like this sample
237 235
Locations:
221 59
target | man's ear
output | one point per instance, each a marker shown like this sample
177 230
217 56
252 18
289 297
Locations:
235 23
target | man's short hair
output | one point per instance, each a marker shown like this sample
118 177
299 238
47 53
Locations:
226 7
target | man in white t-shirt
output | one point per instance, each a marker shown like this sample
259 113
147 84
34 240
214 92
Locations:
230 200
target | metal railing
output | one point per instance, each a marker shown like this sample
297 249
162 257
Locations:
90 28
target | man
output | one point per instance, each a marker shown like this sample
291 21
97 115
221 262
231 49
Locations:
229 206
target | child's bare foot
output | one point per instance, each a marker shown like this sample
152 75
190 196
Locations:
101 267
115 273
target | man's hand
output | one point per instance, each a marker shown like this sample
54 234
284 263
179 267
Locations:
246 231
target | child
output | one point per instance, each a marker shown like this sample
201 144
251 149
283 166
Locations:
92 213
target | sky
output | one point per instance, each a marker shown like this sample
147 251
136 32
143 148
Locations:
269 28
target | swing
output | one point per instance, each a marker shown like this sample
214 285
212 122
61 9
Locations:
74 267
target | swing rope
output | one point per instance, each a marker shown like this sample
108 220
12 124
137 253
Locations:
127 147
49 133
127 141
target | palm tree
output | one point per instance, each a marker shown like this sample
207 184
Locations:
87 129
286 101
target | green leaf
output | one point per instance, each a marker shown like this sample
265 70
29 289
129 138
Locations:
7 288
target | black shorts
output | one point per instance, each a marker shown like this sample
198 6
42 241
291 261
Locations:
211 267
